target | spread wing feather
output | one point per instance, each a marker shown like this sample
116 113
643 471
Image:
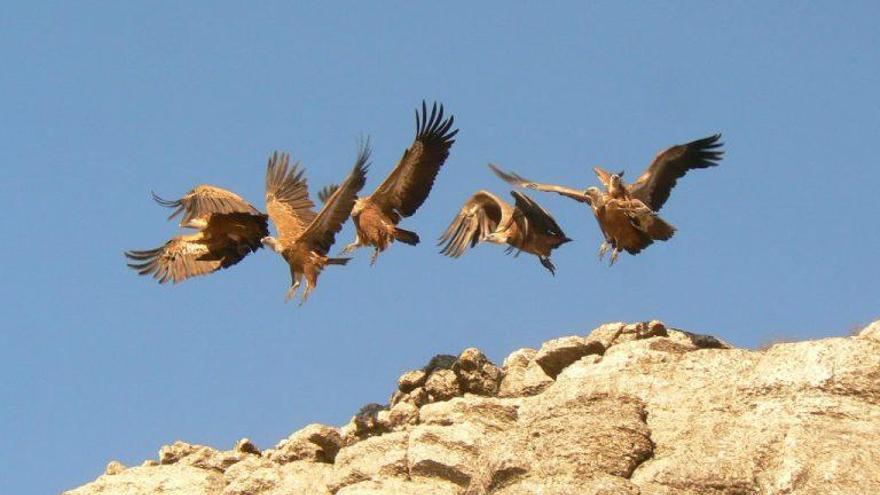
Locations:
287 197
481 215
228 239
655 184
408 185
537 217
321 233
204 200
517 180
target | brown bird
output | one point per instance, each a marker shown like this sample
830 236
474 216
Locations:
524 226
376 216
305 237
627 213
227 227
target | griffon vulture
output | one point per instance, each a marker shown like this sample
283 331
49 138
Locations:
627 213
376 216
305 237
227 227
524 226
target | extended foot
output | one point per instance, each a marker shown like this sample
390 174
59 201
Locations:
614 255
374 257
349 248
548 265
291 292
305 296
602 250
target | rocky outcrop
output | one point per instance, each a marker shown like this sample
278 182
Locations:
626 409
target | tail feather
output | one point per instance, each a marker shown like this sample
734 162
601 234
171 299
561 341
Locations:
337 261
406 236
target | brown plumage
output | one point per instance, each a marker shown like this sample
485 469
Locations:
524 226
407 186
627 213
228 229
305 237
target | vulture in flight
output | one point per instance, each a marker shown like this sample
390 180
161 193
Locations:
524 226
627 213
376 216
305 237
228 228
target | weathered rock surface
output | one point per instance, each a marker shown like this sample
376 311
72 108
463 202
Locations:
628 409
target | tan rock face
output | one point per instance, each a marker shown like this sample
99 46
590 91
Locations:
637 409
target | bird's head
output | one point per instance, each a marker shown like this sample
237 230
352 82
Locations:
271 243
359 205
616 178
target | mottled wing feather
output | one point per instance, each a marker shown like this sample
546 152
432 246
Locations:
321 233
410 182
538 218
520 181
287 197
226 240
479 217
655 184
204 200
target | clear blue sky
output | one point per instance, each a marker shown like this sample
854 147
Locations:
103 101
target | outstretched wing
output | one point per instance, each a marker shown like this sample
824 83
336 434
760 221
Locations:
204 200
287 197
537 217
408 185
481 215
226 240
655 184
321 233
520 181
327 191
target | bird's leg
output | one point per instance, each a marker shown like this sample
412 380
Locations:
292 291
374 257
603 249
351 247
306 293
614 254
545 260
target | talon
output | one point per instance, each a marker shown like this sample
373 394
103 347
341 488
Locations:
614 255
602 250
291 292
374 257
348 248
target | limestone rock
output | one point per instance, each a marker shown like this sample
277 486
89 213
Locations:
442 385
384 456
245 446
522 375
393 486
630 409
165 479
490 414
871 331
557 354
476 374
315 442
445 452
411 380
256 476
114 467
